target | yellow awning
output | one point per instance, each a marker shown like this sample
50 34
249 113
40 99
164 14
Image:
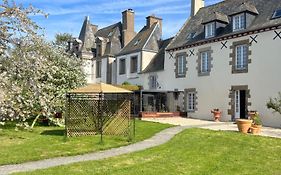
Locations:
100 88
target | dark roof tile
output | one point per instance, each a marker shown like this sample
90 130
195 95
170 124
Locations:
227 7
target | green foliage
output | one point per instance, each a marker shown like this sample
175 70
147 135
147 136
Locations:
275 103
192 152
257 119
62 39
125 83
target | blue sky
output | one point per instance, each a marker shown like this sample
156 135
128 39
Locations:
68 15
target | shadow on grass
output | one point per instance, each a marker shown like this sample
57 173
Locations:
53 133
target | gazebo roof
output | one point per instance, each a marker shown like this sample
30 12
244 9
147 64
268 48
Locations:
100 88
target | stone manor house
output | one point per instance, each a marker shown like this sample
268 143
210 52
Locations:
226 55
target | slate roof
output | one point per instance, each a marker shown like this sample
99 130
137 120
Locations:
216 16
87 34
264 9
157 62
113 45
104 32
141 38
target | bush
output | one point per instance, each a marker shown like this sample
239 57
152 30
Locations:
275 104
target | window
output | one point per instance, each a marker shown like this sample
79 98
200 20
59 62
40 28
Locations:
153 82
134 64
239 22
210 30
181 65
137 42
122 66
98 69
241 57
191 101
190 36
204 62
276 14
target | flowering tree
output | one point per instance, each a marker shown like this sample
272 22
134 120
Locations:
35 74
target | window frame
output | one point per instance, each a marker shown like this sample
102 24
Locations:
191 101
241 17
122 61
134 68
205 68
180 65
210 30
233 53
241 58
153 82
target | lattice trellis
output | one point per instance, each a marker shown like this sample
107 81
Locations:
104 114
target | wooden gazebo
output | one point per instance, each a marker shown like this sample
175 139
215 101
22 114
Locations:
99 109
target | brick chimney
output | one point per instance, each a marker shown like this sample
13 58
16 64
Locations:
195 6
128 26
150 20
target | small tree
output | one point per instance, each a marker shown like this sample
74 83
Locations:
62 39
275 103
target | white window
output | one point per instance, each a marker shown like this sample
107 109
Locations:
204 62
191 101
153 82
181 65
239 22
241 57
210 30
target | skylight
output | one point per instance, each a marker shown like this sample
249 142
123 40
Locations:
110 34
137 42
190 35
276 14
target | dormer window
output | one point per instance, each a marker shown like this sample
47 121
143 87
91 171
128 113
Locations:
210 30
239 22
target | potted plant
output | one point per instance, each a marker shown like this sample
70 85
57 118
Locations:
244 125
217 114
256 125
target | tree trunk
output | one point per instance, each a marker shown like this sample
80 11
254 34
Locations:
35 120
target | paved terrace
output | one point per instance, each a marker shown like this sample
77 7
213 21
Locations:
224 126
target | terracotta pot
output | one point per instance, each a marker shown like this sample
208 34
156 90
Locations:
244 125
258 128
254 131
217 115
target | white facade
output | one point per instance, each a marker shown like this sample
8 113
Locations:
144 58
262 79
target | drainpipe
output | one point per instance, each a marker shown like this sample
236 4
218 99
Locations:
141 100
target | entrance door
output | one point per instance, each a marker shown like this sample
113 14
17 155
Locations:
240 104
237 104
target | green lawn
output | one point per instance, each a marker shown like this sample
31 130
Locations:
194 151
47 142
